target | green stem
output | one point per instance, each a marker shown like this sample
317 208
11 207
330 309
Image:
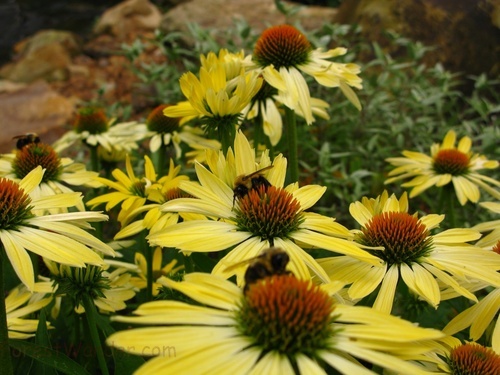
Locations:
446 204
258 131
450 207
94 159
293 160
90 314
5 358
226 136
160 159
188 263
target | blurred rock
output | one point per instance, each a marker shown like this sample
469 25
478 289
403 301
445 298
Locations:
129 17
32 108
465 32
218 16
46 55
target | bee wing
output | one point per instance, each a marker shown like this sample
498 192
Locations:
257 172
243 262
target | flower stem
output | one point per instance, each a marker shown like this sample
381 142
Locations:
226 135
447 203
188 263
94 159
5 358
90 314
258 131
450 209
293 160
160 159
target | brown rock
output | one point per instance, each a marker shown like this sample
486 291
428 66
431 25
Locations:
129 17
33 108
466 33
217 16
46 55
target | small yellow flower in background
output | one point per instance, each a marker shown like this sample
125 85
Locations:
172 131
263 218
59 172
140 281
109 289
130 190
18 304
155 195
94 129
447 164
233 63
61 238
216 97
266 332
282 53
411 255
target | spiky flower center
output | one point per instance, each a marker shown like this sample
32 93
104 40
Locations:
78 282
159 123
33 155
474 359
496 248
288 315
403 236
14 205
176 193
451 161
268 212
91 119
282 46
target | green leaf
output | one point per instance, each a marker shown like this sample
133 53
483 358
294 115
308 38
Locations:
49 357
42 339
126 363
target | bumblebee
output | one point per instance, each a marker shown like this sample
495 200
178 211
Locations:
271 261
245 183
26 139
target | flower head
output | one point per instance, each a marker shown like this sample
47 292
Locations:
173 131
149 202
474 359
59 172
94 129
283 52
447 164
109 289
217 97
265 217
129 190
411 254
61 238
281 324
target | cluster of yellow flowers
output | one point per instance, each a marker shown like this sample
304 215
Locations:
280 288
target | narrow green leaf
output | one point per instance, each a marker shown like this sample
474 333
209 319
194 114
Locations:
49 357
